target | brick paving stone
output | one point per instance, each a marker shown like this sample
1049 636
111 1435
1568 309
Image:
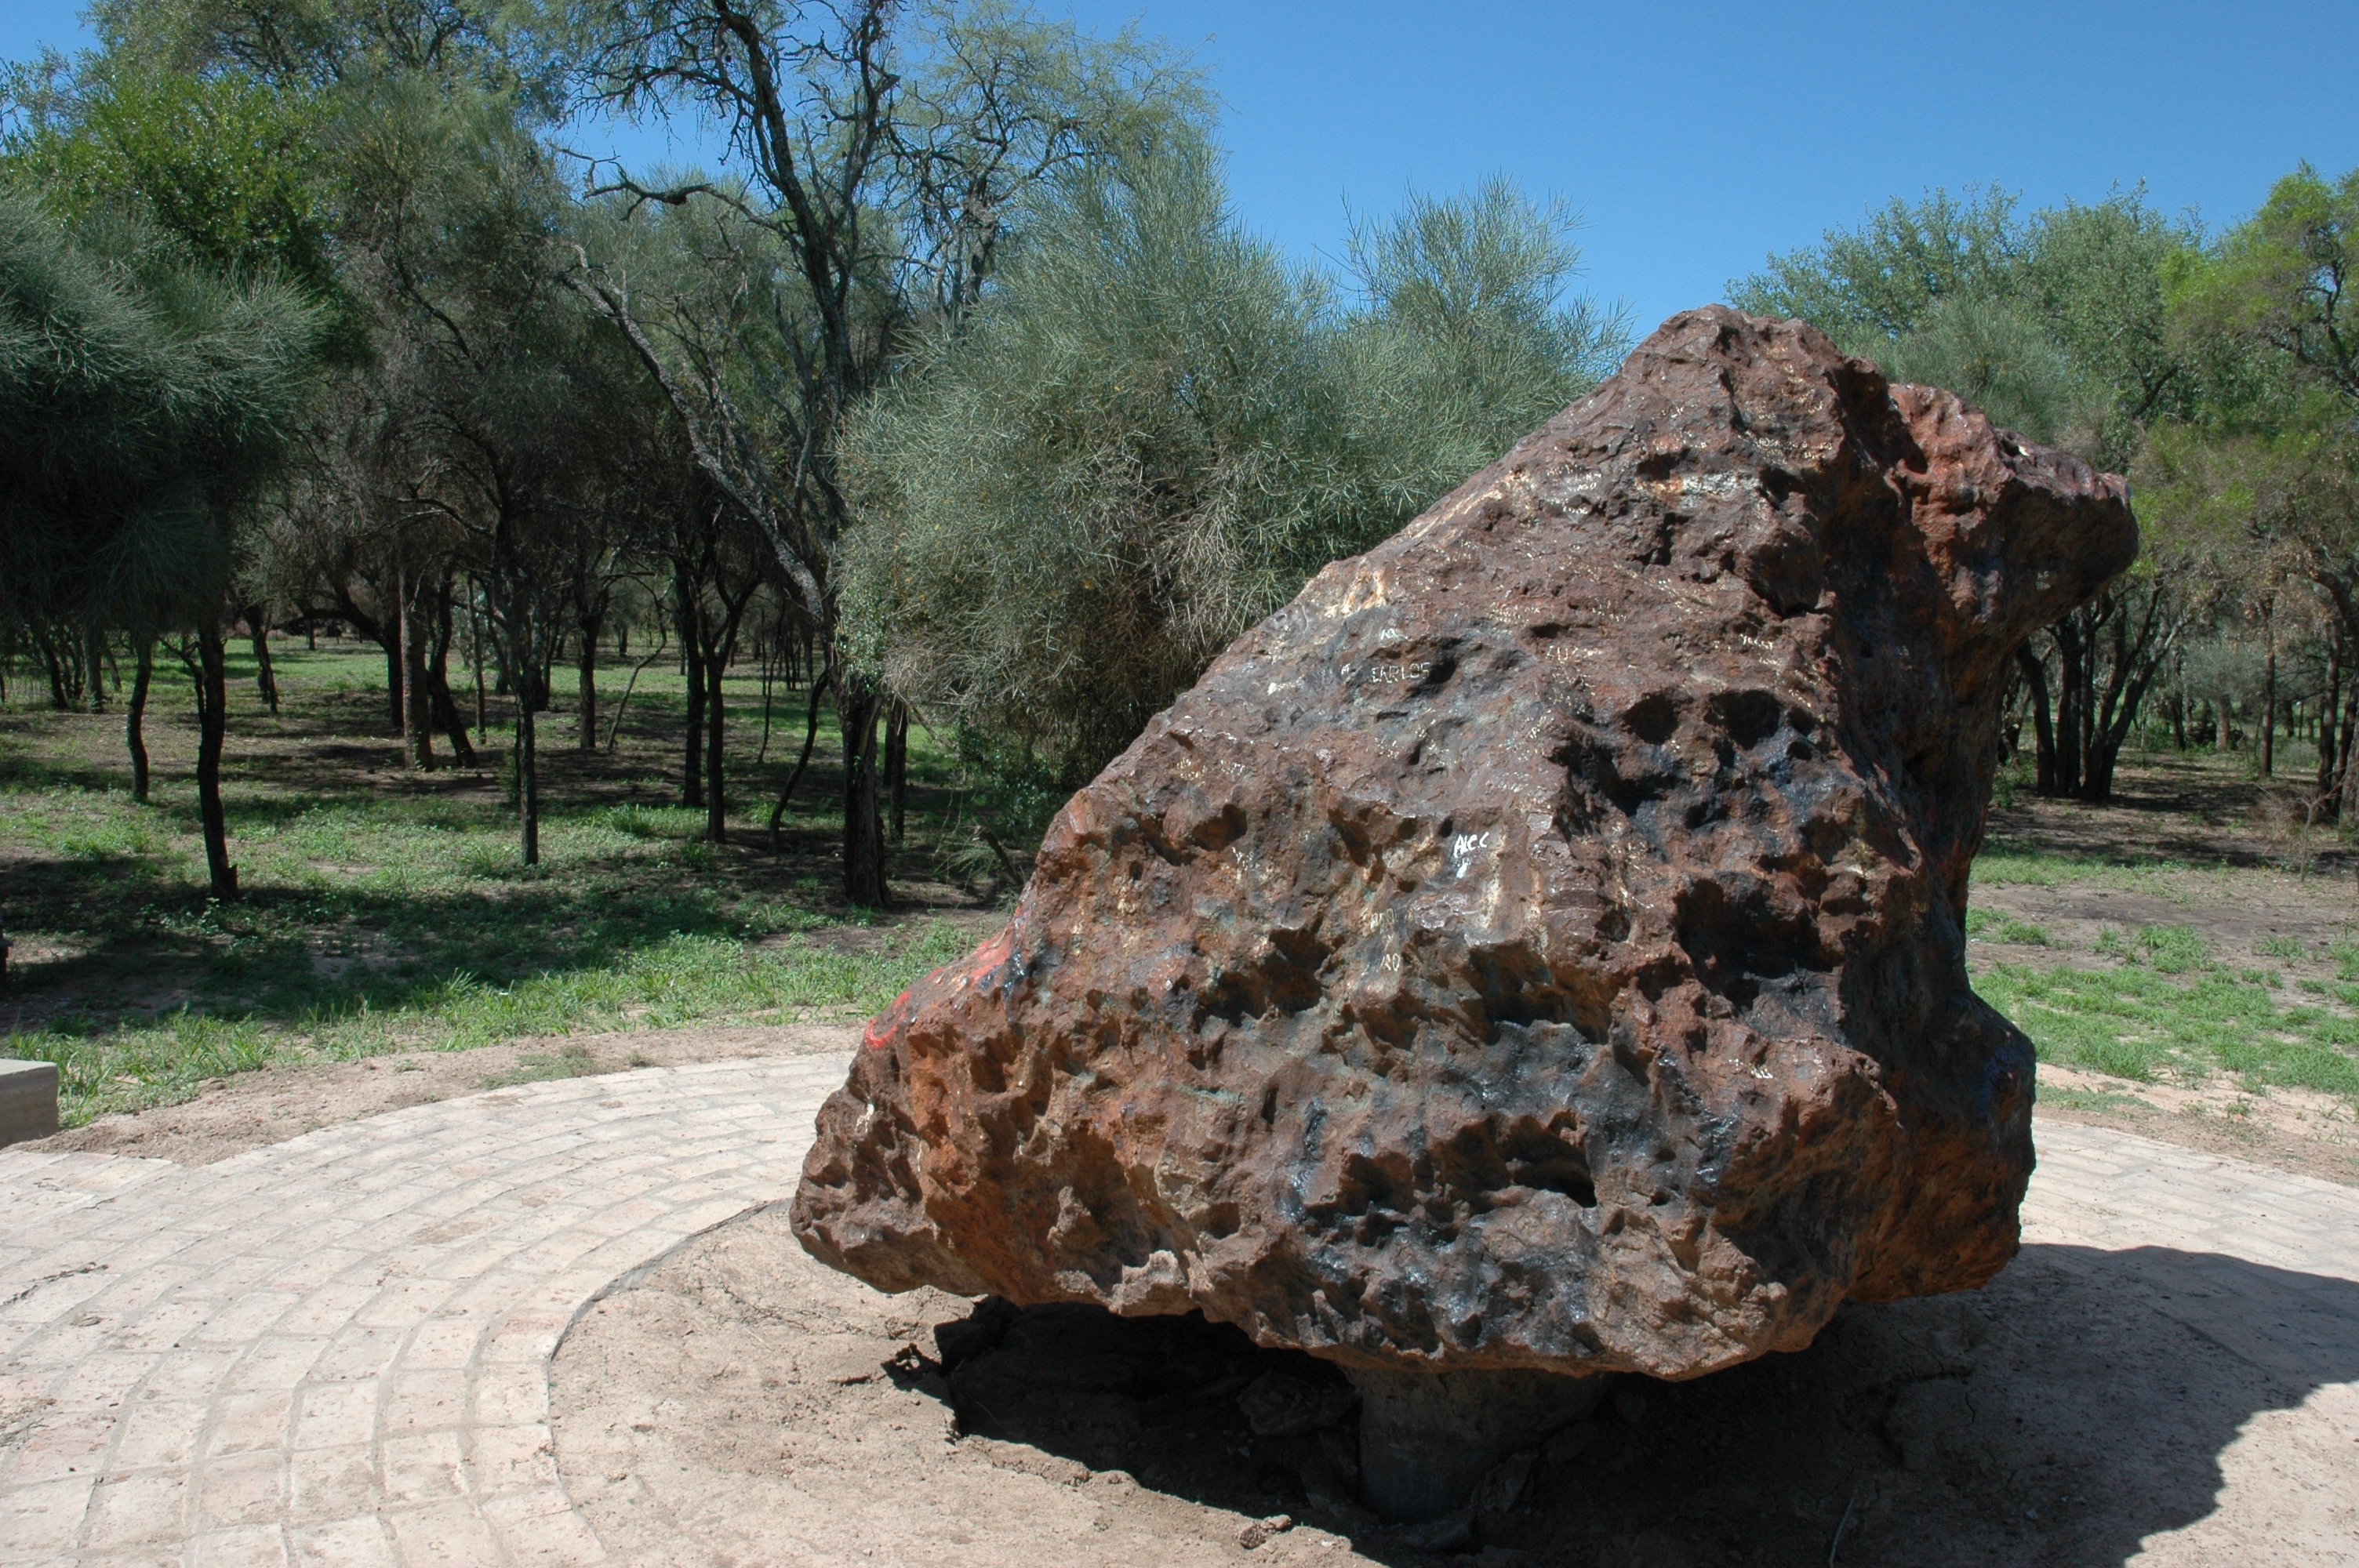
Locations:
336 1350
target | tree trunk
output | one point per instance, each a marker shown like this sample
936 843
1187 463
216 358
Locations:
528 779
2178 711
440 704
2043 728
691 780
896 764
392 668
586 667
858 707
135 718
57 673
93 653
212 697
2071 705
769 690
2269 699
257 631
716 811
2329 713
475 656
2136 635
2349 731
2349 811
810 736
417 714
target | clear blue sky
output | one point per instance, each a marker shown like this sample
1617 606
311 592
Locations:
1698 137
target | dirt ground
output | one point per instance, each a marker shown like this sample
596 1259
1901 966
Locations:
2293 1130
741 1404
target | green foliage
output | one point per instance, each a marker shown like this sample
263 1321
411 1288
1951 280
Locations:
223 163
1152 431
1996 353
1466 339
2055 325
145 400
2282 279
1135 450
1875 285
317 45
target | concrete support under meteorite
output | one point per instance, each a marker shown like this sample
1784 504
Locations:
1540 948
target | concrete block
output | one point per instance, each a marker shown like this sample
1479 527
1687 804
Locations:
28 1100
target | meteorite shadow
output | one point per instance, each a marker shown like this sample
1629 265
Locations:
2077 1406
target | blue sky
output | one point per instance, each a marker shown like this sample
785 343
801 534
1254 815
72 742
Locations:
1698 137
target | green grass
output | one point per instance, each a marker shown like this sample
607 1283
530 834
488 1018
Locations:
2002 866
384 912
683 979
1988 926
2167 1006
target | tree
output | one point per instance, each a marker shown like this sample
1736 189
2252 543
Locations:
149 400
876 174
1151 431
218 170
2262 468
491 375
2282 280
2058 327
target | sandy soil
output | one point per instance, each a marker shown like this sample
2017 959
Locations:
2292 1130
741 1404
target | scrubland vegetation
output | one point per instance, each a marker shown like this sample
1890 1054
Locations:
453 590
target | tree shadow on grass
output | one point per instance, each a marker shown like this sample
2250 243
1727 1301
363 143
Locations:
2083 1404
134 944
370 890
2194 809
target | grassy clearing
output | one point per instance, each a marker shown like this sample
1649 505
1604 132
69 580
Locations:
385 912
2164 1005
1990 926
2013 866
681 980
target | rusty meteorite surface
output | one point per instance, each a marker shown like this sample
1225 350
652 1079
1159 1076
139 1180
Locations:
1542 944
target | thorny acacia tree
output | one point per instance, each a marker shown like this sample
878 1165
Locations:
494 377
2266 469
195 194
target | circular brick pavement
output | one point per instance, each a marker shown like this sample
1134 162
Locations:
336 1349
